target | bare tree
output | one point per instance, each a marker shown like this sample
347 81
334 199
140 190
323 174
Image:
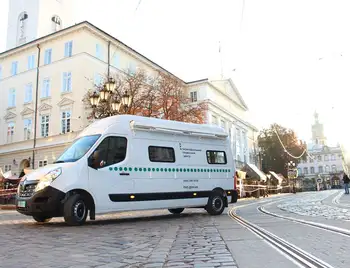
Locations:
163 96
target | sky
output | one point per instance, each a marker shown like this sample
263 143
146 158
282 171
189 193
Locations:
288 58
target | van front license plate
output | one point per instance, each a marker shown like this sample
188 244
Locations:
21 204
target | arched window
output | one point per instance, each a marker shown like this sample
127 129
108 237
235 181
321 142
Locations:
56 23
22 28
327 169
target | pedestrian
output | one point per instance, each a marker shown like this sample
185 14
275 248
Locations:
346 183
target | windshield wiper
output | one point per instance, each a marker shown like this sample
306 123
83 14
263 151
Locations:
57 162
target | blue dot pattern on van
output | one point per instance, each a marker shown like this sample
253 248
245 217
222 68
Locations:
177 170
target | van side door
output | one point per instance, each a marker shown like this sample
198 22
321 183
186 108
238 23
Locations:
107 174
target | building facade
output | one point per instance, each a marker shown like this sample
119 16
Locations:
325 164
44 81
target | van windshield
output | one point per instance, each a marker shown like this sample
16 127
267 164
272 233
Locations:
78 149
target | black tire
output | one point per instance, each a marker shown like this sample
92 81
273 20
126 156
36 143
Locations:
176 210
75 210
41 219
216 203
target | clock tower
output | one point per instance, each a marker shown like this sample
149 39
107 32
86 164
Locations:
32 19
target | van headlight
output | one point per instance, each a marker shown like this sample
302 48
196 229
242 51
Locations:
48 179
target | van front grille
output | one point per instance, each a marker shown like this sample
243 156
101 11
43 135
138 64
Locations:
27 190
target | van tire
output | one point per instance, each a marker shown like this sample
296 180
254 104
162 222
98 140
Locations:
75 210
176 210
41 219
216 203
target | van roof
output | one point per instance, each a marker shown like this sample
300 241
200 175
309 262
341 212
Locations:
127 123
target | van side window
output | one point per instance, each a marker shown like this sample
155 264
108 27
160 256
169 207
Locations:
216 157
161 154
111 150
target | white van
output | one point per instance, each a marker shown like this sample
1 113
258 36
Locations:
126 162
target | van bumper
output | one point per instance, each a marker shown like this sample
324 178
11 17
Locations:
46 203
234 196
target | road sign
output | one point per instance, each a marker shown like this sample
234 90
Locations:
292 173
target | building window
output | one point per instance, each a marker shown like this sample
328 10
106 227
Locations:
8 168
320 169
193 96
326 158
42 163
333 157
98 80
319 158
28 94
116 61
161 154
68 49
216 157
65 122
306 171
327 169
334 168
311 160
44 125
22 28
14 68
48 56
238 141
12 98
27 129
99 52
214 120
56 23
312 170
45 91
132 68
31 62
67 82
299 171
10 131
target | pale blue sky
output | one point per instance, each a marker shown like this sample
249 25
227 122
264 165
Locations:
275 50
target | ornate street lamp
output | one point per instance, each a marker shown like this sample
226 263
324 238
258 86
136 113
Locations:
104 93
115 105
126 101
110 85
94 99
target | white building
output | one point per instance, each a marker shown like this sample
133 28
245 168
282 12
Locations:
326 163
43 82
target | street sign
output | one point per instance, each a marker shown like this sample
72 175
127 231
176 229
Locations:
292 173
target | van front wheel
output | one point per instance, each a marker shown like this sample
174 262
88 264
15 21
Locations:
216 204
176 210
75 210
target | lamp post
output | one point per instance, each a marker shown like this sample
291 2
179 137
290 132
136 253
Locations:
291 166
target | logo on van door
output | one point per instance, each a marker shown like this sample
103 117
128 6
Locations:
187 152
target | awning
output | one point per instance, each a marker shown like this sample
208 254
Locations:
277 177
253 172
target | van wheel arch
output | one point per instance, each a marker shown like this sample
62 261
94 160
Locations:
88 199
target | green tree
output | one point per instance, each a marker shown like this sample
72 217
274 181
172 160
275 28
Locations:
273 156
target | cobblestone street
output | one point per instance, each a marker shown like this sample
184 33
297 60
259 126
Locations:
122 240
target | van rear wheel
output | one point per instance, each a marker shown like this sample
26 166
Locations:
176 210
216 203
75 210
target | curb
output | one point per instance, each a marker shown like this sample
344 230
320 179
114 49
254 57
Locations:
7 207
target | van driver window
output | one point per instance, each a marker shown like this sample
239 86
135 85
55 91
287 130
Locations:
216 157
161 154
112 150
